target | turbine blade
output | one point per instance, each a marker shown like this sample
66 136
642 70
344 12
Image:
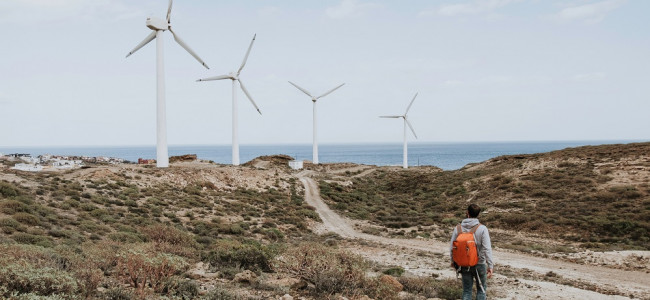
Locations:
169 11
243 88
303 90
187 48
392 117
148 39
410 126
330 91
220 77
247 53
409 107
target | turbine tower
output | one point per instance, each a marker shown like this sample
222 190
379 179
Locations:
314 99
406 122
159 26
235 79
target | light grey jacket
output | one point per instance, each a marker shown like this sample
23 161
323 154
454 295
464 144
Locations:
482 239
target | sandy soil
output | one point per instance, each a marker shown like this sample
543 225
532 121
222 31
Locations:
424 257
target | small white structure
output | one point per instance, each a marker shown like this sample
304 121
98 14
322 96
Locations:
28 167
67 164
295 164
30 159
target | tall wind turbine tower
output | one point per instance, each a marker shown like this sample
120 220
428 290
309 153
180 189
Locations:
406 123
314 99
234 76
159 26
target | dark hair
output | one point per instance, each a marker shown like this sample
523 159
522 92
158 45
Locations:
473 210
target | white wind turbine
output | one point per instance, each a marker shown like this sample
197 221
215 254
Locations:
159 26
235 78
406 122
314 99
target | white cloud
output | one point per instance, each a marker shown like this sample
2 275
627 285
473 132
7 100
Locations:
589 77
471 8
350 8
589 13
42 11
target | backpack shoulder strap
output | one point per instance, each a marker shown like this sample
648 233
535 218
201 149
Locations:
459 229
475 228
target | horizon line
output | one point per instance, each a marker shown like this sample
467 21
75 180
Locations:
341 143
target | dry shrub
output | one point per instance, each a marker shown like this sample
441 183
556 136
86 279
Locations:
172 240
331 271
142 267
28 269
103 254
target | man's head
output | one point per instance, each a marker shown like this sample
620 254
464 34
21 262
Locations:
473 210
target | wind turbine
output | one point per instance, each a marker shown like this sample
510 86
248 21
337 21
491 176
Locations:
235 78
406 122
159 26
314 99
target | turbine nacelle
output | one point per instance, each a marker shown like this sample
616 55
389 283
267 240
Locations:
233 76
157 24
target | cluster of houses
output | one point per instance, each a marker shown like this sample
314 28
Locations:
26 162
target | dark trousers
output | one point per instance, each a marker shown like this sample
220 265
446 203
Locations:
476 273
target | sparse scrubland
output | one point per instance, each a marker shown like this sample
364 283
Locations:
206 231
590 197
187 232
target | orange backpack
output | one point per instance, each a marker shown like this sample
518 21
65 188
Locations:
464 250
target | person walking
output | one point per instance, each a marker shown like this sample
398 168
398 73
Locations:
483 269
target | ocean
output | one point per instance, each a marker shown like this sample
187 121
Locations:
448 156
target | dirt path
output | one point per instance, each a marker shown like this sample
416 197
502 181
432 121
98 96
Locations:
623 282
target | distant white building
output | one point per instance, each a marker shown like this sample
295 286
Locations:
295 164
28 167
66 164
30 160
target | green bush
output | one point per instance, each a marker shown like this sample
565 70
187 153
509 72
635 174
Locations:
25 277
181 288
394 271
26 238
249 254
117 293
8 190
221 293
126 237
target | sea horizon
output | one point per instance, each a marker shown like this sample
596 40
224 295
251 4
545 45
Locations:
446 155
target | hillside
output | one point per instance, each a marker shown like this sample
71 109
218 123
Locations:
598 196
210 231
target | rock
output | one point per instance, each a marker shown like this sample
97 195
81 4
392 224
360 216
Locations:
183 158
392 282
246 276
286 297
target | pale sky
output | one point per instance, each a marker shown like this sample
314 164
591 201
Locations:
491 70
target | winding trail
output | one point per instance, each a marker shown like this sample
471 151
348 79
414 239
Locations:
634 282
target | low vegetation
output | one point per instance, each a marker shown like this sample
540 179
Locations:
597 196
